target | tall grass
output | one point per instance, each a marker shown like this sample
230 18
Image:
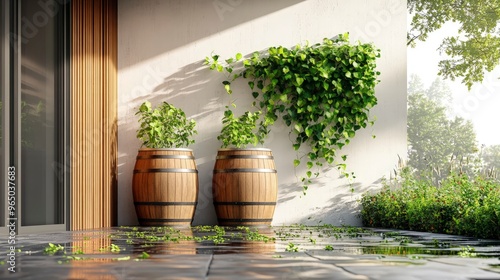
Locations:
460 203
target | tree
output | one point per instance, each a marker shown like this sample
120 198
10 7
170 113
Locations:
426 133
491 157
440 92
475 50
415 85
437 144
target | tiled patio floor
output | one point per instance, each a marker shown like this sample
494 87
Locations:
296 252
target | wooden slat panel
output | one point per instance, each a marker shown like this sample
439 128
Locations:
93 113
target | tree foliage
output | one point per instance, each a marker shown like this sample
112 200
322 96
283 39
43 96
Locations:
475 50
491 157
435 141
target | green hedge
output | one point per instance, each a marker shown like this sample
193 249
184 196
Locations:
460 205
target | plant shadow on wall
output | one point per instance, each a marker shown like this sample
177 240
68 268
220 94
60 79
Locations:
322 92
340 207
174 88
336 209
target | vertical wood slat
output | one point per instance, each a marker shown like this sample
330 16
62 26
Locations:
93 113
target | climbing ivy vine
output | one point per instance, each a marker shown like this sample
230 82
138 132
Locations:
323 92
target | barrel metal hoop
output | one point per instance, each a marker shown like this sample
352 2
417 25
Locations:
242 203
161 203
245 170
244 149
165 170
165 157
244 220
165 150
164 220
245 157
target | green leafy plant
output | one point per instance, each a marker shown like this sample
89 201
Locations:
461 205
467 252
323 92
53 249
218 237
111 248
241 131
164 127
292 247
79 251
143 256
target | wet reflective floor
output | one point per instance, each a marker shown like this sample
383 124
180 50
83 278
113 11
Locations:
211 252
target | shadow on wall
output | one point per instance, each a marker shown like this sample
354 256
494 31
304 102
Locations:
214 16
327 202
189 83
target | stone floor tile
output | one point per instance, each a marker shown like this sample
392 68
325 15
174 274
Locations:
422 272
254 267
358 254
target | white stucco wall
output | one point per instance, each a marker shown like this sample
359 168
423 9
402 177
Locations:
161 47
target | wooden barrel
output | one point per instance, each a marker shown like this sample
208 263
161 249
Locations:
244 186
165 187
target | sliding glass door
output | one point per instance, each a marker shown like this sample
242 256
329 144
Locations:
35 95
3 116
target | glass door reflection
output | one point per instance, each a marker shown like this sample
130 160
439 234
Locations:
41 190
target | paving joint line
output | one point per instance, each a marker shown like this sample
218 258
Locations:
210 261
456 264
343 268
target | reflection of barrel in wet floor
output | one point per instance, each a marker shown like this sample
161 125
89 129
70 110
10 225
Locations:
184 247
238 247
165 241
241 240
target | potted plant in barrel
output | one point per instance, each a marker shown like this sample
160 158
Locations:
244 181
165 180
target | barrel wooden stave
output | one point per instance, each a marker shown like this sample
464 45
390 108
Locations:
165 196
254 192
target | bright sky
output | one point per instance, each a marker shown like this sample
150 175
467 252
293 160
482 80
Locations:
479 105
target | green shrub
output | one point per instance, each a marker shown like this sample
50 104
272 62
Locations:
460 205
164 126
